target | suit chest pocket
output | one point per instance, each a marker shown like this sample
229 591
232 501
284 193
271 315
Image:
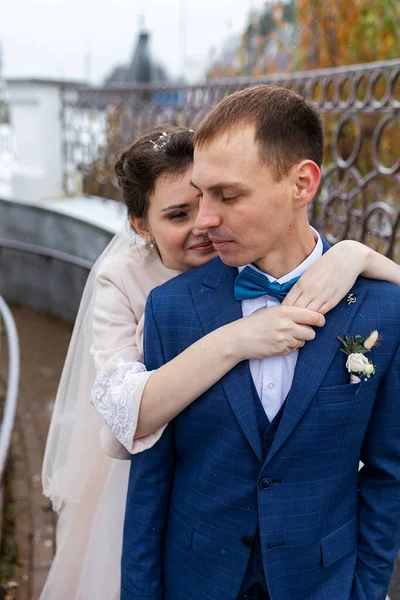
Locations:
345 403
346 392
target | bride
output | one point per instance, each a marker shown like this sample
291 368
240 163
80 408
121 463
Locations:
129 406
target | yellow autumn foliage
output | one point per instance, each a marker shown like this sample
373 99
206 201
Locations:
341 32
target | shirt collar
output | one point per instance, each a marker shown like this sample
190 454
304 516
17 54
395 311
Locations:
298 271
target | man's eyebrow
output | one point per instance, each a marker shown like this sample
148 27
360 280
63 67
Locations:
221 185
175 206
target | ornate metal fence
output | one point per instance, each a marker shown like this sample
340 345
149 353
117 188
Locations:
359 196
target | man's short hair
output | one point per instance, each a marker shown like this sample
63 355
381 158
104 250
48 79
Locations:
288 127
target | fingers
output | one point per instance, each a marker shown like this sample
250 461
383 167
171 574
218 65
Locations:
326 307
303 333
316 304
307 289
303 300
293 296
303 316
313 299
295 345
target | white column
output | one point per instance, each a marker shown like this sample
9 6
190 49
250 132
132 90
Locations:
7 150
7 160
35 117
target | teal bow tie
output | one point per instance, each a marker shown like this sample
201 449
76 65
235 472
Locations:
251 284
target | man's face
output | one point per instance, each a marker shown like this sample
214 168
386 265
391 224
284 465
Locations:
247 215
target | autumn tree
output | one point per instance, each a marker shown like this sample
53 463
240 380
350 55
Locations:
265 46
343 32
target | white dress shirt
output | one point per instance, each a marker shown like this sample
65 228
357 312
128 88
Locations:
273 376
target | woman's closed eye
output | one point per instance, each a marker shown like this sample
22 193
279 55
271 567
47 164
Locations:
178 216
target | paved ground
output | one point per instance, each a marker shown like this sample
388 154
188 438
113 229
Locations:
29 545
394 589
31 521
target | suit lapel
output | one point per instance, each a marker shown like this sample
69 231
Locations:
216 306
312 364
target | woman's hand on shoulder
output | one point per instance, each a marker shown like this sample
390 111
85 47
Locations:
327 281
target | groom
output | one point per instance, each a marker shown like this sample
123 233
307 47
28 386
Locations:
253 492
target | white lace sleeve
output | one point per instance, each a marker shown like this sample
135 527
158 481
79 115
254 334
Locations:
117 336
113 397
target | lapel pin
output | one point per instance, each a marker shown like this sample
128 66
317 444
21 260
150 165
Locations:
351 299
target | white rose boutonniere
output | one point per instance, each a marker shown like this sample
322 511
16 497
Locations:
356 363
360 368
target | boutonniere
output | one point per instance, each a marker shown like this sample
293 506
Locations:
360 368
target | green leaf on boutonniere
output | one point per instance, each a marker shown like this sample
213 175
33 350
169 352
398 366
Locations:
353 345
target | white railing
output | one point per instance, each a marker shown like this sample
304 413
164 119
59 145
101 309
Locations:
7 324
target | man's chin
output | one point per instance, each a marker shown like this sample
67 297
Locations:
202 260
232 261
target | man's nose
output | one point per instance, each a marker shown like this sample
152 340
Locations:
207 217
198 232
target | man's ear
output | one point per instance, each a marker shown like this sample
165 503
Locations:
307 177
140 226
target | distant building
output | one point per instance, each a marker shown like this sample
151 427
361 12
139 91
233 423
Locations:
4 108
142 68
7 140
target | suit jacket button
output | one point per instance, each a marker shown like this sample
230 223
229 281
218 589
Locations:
265 483
247 541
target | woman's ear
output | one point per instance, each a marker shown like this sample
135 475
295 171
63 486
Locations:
139 225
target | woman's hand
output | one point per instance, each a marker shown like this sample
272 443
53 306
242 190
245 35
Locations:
274 331
328 280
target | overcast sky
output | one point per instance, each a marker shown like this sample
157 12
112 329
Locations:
75 39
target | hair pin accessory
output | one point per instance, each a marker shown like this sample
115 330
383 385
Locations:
161 142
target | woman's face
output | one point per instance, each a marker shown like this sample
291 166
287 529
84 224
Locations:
171 224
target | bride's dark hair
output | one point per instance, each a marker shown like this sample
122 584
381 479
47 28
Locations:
162 151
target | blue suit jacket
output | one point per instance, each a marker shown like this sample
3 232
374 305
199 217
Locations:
195 498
